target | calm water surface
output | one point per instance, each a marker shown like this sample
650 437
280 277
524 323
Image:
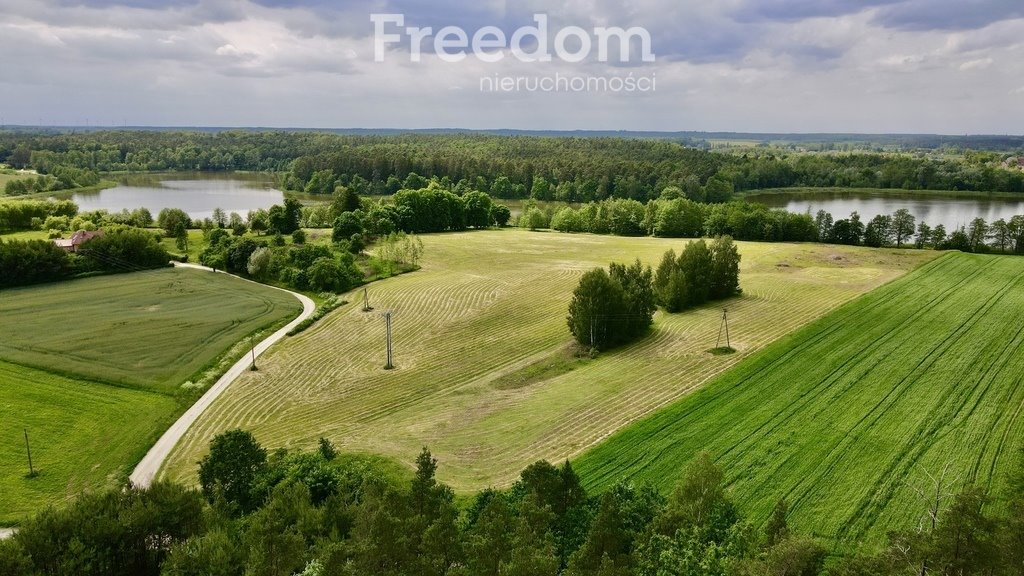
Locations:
195 193
952 212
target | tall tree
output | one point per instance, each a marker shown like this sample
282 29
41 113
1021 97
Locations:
231 468
977 233
596 297
902 226
725 268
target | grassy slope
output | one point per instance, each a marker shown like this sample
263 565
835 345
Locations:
845 417
489 304
83 435
149 329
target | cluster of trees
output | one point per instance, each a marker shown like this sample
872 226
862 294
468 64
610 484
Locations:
320 513
675 217
28 215
612 307
430 209
119 249
315 267
902 229
698 275
60 178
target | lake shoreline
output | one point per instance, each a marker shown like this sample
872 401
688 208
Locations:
749 195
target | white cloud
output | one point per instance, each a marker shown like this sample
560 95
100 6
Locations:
979 64
831 65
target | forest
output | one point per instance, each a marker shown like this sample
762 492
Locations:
544 168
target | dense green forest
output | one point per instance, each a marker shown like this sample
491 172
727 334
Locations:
321 513
545 168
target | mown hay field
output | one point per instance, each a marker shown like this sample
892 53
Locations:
148 329
848 418
489 306
93 370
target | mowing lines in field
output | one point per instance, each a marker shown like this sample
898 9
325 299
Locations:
844 417
488 304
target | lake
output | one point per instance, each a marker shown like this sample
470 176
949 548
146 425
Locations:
195 193
950 211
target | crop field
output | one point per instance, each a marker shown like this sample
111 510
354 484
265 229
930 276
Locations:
83 435
480 343
92 369
847 418
148 329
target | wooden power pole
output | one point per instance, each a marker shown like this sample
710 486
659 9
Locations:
28 450
387 319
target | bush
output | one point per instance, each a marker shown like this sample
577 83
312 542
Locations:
345 226
16 216
125 249
32 262
328 274
533 219
500 215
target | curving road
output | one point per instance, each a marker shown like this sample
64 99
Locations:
150 465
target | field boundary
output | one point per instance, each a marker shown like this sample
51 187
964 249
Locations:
148 468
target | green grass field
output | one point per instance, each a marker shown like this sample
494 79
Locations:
84 435
108 356
480 339
846 417
7 175
148 329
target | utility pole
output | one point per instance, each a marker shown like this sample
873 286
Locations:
252 348
28 450
366 300
725 325
387 318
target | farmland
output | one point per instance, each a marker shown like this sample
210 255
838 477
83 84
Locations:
83 435
846 418
480 342
151 329
93 369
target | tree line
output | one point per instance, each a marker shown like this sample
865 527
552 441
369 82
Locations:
319 513
675 217
543 168
119 249
901 229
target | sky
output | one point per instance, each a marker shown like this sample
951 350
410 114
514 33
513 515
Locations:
865 66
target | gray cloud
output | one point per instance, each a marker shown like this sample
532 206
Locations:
772 65
948 14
